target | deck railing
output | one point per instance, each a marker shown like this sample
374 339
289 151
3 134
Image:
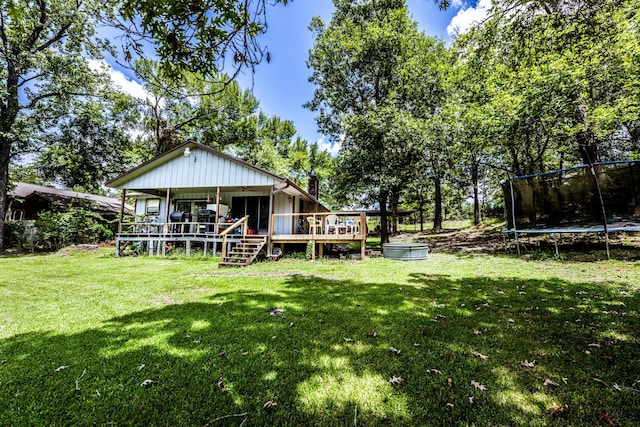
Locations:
242 222
323 224
145 228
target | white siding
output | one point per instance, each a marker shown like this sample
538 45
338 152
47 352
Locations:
200 169
281 205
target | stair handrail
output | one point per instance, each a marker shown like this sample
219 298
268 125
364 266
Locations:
242 221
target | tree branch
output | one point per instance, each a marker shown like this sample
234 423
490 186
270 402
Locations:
37 29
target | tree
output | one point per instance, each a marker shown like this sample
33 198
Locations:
43 50
551 68
212 111
88 147
203 36
219 114
362 96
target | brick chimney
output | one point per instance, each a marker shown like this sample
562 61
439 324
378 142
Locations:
312 185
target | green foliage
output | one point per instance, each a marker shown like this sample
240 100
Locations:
309 250
220 114
87 149
379 86
14 234
205 36
77 224
44 71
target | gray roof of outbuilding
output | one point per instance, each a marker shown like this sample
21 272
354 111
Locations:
25 190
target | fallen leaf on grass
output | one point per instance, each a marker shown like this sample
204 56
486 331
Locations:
141 366
479 386
347 339
550 382
270 404
607 419
146 383
471 400
434 371
559 410
477 332
527 364
276 311
395 350
594 344
244 353
396 380
449 405
222 353
60 368
449 383
373 334
480 356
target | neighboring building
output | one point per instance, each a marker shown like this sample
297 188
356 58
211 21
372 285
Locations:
26 201
196 194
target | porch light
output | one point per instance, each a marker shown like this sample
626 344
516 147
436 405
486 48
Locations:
187 152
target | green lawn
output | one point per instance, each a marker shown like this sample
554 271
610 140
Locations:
88 339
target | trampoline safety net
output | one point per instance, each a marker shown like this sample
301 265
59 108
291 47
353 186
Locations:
569 197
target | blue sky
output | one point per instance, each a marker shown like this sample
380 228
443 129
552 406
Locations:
282 85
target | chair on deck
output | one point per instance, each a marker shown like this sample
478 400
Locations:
332 224
315 225
352 225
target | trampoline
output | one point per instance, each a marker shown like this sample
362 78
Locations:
599 198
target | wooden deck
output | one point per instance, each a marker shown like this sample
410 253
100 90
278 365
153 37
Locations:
155 237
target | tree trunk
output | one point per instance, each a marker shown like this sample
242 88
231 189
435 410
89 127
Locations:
437 211
421 210
394 211
476 198
586 139
5 152
384 228
8 118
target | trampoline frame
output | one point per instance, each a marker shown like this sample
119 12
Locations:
605 227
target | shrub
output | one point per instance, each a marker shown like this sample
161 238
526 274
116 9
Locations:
77 224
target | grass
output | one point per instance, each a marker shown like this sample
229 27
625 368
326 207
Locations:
89 339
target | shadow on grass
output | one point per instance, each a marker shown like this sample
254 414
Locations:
327 359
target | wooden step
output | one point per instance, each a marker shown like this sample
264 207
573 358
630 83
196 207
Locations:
244 252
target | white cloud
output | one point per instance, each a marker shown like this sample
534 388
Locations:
332 147
128 86
467 17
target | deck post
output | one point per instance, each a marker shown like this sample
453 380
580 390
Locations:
122 204
363 231
165 227
216 227
188 247
117 247
271 223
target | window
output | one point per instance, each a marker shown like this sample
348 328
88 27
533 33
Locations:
191 206
152 207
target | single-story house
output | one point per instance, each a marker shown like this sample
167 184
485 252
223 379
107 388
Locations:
194 194
26 201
